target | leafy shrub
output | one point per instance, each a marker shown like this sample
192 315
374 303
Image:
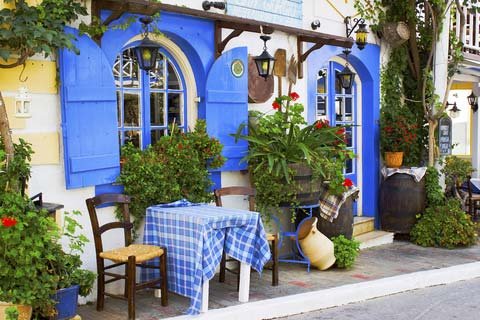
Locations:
432 188
175 167
346 251
446 226
455 168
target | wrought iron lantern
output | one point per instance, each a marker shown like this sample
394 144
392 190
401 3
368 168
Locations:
22 103
473 101
454 112
147 50
264 61
360 34
346 76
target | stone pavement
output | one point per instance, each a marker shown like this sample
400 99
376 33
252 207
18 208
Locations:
380 262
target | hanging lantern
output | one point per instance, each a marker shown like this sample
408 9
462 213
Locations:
454 112
346 76
361 35
473 101
22 103
264 61
147 50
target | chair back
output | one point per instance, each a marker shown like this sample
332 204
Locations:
235 191
122 201
469 186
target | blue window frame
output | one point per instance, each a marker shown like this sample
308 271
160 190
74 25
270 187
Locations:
148 102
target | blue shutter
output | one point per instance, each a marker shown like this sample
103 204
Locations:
227 105
89 115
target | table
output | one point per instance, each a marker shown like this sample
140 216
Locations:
195 236
476 184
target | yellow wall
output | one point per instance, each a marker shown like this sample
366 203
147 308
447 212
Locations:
45 145
15 123
40 75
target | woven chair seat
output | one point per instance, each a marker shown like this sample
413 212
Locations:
142 252
270 237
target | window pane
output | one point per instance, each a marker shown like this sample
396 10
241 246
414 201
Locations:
321 107
119 109
131 109
130 70
173 81
133 136
155 135
348 109
117 66
349 166
156 108
349 90
338 83
339 109
349 136
322 81
174 108
157 75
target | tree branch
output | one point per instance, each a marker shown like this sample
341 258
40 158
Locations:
413 46
21 60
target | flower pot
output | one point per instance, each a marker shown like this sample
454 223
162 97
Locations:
67 300
315 245
393 159
25 312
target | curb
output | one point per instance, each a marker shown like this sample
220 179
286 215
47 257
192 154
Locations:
337 296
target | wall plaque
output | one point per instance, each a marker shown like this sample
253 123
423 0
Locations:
445 136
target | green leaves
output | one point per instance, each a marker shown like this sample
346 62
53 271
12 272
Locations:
345 251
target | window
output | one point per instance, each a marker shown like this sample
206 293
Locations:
148 102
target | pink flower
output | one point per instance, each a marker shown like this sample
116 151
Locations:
294 96
8 222
276 105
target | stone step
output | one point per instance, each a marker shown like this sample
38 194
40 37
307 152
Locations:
363 225
374 238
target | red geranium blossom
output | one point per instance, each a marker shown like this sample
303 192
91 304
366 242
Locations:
321 124
8 222
347 183
340 131
294 96
276 105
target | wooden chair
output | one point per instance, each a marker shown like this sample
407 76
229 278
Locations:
250 192
131 256
472 200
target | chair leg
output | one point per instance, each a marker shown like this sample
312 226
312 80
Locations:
130 283
223 265
275 261
163 274
100 285
238 275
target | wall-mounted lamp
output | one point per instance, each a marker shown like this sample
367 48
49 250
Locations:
473 101
315 24
206 5
454 112
147 50
264 61
360 34
22 103
346 76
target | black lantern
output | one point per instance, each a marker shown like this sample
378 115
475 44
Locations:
147 50
473 101
265 61
454 112
360 34
346 76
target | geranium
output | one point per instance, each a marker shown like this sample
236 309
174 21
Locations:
276 105
347 183
294 96
397 132
8 222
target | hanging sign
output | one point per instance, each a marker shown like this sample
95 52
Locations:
445 136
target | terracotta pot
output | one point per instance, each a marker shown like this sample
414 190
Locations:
25 312
315 245
393 159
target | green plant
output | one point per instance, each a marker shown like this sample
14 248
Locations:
175 167
345 251
16 170
279 139
445 226
398 132
11 313
457 169
433 190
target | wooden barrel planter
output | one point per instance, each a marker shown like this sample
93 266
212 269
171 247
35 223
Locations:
401 199
343 224
307 189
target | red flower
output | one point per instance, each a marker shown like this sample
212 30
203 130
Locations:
340 131
180 147
321 124
276 105
347 183
8 222
294 96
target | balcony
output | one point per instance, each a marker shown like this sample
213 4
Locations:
470 36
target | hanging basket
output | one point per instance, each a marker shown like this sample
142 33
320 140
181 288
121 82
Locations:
393 159
395 33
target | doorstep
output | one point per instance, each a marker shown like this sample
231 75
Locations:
378 271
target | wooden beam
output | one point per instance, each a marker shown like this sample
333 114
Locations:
303 56
221 44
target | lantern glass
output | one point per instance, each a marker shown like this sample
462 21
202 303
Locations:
346 78
472 99
361 36
265 63
454 112
146 53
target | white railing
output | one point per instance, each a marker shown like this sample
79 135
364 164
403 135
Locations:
471 32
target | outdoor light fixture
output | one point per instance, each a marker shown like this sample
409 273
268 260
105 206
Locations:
147 50
473 101
22 103
360 34
454 112
265 61
206 5
346 76
315 24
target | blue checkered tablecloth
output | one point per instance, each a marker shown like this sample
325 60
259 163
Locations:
195 237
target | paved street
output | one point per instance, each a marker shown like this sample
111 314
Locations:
459 300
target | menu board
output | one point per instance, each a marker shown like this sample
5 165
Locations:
445 136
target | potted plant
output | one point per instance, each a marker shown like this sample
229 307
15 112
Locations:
282 146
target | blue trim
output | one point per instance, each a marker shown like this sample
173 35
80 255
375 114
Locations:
366 64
